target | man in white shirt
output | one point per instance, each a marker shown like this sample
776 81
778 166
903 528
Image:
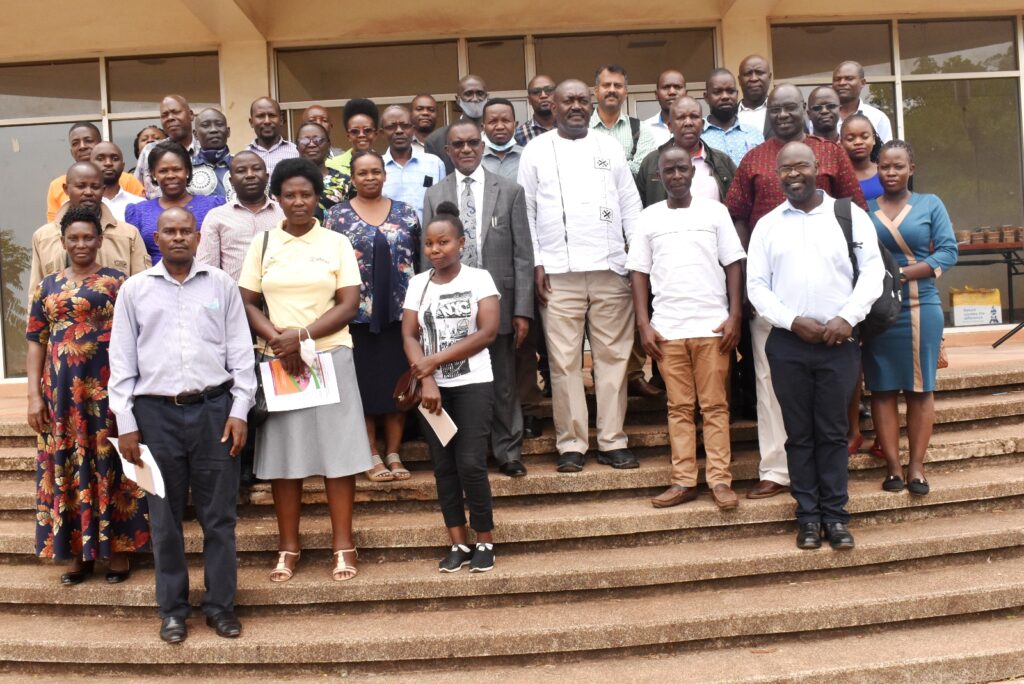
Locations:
848 81
110 159
755 77
671 84
679 250
801 280
582 203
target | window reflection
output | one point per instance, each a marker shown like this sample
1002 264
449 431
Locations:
501 62
137 84
49 89
946 47
814 50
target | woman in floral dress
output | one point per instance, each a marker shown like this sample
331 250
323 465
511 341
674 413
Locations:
85 507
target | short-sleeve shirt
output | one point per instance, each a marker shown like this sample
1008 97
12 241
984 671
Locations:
299 275
447 315
684 251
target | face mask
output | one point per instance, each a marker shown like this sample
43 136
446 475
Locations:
501 148
307 350
473 110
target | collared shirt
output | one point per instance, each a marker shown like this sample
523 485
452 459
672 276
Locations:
122 248
170 337
528 130
735 141
753 117
120 201
704 183
142 168
755 189
417 144
798 264
622 131
684 251
56 197
477 188
409 183
659 129
278 152
877 118
299 276
507 166
581 202
228 231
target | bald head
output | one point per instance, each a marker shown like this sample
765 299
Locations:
317 114
572 108
798 173
823 111
176 237
84 185
787 112
176 119
686 121
83 169
848 81
211 127
755 76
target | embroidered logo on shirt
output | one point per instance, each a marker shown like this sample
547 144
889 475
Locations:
605 214
602 163
213 306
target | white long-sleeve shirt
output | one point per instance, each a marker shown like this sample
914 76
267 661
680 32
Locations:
798 264
581 201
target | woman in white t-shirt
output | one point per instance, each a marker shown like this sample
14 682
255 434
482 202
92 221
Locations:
451 316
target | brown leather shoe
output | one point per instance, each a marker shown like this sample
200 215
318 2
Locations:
766 489
725 498
639 387
673 496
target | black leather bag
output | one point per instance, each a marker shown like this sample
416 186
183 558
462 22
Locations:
886 308
259 412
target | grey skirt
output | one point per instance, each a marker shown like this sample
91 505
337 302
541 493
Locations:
323 440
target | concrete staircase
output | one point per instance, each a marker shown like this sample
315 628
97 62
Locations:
592 583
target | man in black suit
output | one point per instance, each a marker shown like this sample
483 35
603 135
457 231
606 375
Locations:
493 211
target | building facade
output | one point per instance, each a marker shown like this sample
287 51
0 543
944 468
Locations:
948 76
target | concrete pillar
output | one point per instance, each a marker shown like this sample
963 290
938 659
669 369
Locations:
745 31
244 76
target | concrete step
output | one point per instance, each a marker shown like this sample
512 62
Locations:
560 570
822 603
564 519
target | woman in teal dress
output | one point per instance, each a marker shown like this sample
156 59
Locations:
916 229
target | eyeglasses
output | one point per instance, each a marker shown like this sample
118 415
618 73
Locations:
392 127
471 144
312 141
818 108
799 167
356 132
547 90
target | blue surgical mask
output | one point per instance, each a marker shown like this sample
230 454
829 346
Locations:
500 148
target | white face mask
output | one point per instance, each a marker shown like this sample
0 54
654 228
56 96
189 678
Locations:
500 148
307 350
473 110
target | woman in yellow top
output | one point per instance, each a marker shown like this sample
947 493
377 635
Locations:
309 279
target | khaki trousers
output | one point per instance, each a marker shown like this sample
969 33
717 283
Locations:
771 431
694 369
601 303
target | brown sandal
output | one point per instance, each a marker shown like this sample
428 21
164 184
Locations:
399 473
379 472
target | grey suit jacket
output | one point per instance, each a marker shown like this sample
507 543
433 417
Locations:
507 252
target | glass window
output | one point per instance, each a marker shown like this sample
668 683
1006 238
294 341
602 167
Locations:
881 95
138 83
49 89
123 133
377 70
30 157
814 50
967 143
947 47
501 62
644 55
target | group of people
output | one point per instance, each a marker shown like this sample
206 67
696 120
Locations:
480 257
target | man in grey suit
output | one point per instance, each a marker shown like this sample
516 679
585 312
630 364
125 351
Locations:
493 211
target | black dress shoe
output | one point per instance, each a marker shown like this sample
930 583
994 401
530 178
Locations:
512 469
173 630
116 577
77 576
839 535
225 623
570 462
809 536
533 427
618 458
639 387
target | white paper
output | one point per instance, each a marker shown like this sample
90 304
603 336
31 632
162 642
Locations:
285 392
443 425
147 475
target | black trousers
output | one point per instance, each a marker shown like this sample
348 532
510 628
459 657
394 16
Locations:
814 383
507 428
185 441
460 469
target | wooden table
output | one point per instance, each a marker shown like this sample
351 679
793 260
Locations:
1009 254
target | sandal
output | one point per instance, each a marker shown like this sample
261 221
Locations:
876 450
342 570
854 445
379 472
399 473
281 572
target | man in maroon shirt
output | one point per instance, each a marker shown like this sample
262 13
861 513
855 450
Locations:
755 191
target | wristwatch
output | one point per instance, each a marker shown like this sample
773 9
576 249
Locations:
903 277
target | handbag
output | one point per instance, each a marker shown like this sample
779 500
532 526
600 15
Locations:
943 359
408 390
886 309
259 411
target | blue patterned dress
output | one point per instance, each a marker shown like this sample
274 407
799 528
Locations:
904 357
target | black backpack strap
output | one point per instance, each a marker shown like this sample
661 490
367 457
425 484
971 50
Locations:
263 253
634 127
845 218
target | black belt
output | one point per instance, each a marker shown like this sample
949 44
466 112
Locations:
189 398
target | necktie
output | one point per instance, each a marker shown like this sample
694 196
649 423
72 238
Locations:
467 212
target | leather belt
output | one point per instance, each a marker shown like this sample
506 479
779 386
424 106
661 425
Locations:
189 398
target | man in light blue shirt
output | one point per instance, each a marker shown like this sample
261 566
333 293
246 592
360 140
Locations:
409 171
723 130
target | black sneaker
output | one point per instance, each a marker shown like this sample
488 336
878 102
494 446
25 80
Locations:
483 558
459 556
